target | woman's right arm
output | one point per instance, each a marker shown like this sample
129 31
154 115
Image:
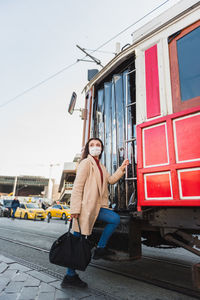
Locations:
78 187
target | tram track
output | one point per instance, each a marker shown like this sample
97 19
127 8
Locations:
157 282
28 232
55 237
47 251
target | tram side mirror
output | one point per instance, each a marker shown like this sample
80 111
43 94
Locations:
72 103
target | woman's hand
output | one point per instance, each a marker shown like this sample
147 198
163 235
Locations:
124 164
75 216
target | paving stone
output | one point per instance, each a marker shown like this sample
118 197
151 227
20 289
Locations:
100 297
41 276
56 284
62 295
31 281
2 288
6 259
3 267
3 282
44 287
71 298
20 277
29 293
19 267
95 292
46 296
14 287
8 274
72 292
5 296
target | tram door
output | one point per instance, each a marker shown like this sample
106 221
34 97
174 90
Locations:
114 122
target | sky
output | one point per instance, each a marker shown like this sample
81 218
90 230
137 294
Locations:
38 41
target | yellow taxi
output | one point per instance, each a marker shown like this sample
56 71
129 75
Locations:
58 211
30 211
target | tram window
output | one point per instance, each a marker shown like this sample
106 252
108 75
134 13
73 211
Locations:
113 133
94 120
185 68
108 124
109 115
100 118
120 115
188 49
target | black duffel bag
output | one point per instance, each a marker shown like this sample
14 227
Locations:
71 251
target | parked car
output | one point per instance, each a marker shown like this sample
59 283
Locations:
1 211
6 204
30 211
4 211
58 211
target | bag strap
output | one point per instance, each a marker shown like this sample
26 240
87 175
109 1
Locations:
70 225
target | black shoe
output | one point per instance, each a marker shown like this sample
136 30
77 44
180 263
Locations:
70 281
102 252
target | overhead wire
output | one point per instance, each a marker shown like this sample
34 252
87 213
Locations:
76 62
115 36
38 84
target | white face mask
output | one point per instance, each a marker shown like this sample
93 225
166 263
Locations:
95 151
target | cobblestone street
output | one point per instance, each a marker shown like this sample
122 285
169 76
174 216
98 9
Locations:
19 282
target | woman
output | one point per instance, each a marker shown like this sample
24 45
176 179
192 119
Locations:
89 202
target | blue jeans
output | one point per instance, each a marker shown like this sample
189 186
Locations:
112 219
13 212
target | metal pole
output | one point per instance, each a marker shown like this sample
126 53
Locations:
126 136
14 186
50 187
49 183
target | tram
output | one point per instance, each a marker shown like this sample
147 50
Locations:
145 106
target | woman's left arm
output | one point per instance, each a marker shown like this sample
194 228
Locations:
112 179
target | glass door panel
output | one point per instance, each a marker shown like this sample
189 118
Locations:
108 124
130 103
120 134
115 123
100 118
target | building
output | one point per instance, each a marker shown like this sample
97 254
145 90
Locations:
67 179
23 185
55 194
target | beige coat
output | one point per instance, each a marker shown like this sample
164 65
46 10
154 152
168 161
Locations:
89 194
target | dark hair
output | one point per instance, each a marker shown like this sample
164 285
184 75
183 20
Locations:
86 148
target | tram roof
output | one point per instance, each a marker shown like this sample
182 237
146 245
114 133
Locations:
150 28
164 19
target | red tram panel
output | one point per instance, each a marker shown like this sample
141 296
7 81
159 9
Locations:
155 145
158 186
189 183
152 83
169 174
184 130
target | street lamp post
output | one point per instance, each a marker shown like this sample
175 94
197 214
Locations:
15 189
20 188
49 196
14 186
